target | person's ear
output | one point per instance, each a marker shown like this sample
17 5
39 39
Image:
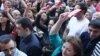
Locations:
83 11
15 44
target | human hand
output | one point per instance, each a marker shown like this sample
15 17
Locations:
42 10
63 17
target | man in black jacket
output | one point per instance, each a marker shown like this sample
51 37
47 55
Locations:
29 43
91 38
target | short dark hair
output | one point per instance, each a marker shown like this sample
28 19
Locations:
95 23
6 38
83 7
25 23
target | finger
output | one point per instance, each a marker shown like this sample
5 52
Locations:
62 16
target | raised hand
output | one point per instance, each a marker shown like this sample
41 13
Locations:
63 17
42 10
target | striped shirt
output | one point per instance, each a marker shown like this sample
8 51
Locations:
96 51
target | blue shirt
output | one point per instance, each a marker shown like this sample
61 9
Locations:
16 53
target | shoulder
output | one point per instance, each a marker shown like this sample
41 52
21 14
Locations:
72 21
84 35
86 20
55 37
34 37
2 54
55 40
73 18
19 53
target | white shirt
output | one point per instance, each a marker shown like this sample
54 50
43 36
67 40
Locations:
76 27
16 53
2 7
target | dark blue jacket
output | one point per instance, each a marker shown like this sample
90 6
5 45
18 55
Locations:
31 45
88 44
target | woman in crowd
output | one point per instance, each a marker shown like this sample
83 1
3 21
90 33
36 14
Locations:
5 26
72 47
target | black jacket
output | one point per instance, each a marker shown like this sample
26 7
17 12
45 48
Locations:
8 29
88 44
31 45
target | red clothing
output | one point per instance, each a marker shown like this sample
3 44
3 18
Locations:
14 33
98 7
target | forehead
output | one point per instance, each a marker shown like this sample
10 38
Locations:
94 29
68 45
18 25
10 44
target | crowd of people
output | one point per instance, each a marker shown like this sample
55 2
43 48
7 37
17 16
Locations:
49 28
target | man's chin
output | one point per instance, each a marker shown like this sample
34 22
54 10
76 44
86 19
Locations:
93 37
8 55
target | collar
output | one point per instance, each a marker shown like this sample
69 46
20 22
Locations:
96 39
28 38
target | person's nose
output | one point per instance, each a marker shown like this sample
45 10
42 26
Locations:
64 51
91 34
9 52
